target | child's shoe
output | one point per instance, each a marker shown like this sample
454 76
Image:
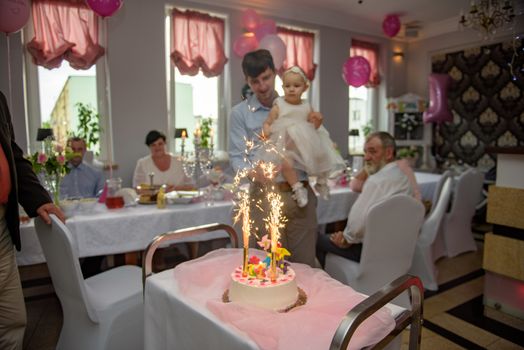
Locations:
300 194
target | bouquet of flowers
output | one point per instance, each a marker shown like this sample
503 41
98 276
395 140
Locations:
408 122
51 165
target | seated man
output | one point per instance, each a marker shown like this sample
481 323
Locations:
83 181
385 180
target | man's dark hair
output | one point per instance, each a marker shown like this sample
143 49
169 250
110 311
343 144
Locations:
386 139
256 63
154 135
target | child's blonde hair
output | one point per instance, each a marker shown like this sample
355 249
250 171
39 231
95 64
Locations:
296 70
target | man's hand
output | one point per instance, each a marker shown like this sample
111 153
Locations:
315 118
338 239
49 208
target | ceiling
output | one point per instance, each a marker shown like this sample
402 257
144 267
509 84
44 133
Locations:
423 18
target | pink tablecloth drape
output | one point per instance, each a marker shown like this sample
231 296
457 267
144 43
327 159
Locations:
311 326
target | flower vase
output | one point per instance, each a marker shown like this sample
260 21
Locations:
52 185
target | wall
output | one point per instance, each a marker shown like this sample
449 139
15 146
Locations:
138 75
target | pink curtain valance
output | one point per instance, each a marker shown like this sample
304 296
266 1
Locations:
370 52
64 30
198 43
299 50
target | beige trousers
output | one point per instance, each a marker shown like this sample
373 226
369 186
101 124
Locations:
12 307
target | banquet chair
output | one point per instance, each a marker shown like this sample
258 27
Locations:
423 263
392 227
438 188
456 227
102 312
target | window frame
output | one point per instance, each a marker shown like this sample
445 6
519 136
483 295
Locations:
32 96
223 82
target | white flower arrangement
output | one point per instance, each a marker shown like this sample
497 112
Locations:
408 122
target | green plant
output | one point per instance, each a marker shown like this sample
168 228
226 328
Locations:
88 126
46 125
407 152
367 129
206 127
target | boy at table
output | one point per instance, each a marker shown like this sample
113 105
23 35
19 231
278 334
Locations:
247 117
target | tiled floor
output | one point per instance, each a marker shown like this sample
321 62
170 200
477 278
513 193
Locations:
445 326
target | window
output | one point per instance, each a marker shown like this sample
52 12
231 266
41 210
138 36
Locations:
72 77
363 100
195 86
300 51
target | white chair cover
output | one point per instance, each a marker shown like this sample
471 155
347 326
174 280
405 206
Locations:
456 227
102 312
423 264
392 227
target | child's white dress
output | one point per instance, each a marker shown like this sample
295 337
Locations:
312 150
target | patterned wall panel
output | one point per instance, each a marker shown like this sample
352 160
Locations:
486 100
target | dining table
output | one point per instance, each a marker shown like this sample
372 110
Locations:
185 308
103 231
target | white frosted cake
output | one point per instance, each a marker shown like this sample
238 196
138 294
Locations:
279 295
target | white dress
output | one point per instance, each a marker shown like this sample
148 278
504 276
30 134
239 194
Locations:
311 149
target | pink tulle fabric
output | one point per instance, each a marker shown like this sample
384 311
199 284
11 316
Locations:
198 43
64 30
311 326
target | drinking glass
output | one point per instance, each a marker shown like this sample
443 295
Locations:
114 199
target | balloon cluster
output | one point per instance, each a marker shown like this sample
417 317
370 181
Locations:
260 33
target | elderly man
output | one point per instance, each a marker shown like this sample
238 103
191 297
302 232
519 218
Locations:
83 181
385 180
247 117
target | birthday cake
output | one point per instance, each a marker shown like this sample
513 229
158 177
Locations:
277 295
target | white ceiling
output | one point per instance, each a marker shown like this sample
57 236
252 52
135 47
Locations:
431 17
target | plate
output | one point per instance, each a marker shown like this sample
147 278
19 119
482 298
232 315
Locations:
139 201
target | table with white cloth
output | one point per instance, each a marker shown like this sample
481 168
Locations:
184 309
106 232
427 183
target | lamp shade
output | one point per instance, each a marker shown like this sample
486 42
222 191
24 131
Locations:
354 132
43 133
179 131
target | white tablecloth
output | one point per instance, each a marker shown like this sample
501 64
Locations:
427 183
130 229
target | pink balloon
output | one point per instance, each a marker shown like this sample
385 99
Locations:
356 71
250 19
105 8
264 28
13 15
438 111
276 46
244 44
391 25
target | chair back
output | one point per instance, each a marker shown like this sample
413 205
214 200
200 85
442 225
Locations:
392 227
438 188
62 261
467 194
432 223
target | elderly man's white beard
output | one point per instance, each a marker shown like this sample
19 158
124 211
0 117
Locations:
372 168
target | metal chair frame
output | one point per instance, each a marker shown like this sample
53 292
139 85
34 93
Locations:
369 306
147 260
